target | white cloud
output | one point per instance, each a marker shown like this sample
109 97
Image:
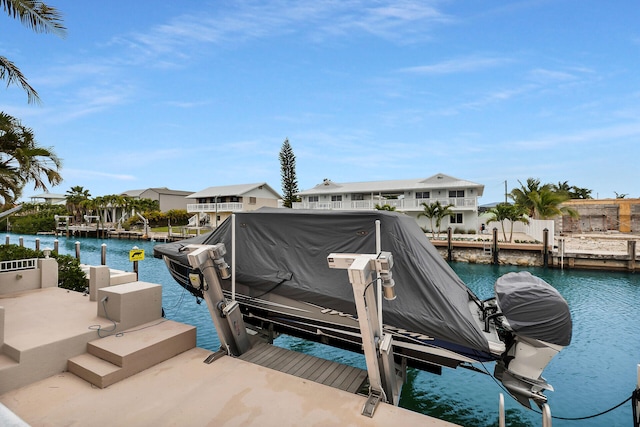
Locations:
459 65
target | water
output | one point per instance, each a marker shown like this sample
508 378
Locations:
596 372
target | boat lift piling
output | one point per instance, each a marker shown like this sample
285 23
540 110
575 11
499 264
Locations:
226 316
385 378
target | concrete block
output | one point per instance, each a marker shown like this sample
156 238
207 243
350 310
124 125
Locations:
131 304
99 277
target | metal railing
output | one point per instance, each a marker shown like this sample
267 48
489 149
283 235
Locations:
19 264
405 204
215 207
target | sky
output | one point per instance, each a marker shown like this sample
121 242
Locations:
193 94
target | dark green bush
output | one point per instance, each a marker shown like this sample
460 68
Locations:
70 275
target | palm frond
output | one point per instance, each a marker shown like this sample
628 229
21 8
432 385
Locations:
35 15
13 75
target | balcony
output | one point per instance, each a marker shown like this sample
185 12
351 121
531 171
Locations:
405 205
214 207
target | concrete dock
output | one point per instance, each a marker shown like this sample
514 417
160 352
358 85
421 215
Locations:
44 330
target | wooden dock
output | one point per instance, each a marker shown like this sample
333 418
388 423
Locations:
308 367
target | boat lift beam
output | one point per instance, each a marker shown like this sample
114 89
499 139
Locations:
385 383
226 315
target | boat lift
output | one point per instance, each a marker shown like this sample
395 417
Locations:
385 378
226 315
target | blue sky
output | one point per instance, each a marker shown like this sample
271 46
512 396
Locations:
188 95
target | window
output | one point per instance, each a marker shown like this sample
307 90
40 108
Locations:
337 198
357 196
456 193
423 195
313 199
252 200
455 218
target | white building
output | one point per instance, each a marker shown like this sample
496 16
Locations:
167 199
214 204
407 196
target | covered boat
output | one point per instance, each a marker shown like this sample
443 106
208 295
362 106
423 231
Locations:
283 285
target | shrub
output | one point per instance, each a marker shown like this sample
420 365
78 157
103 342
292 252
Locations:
70 275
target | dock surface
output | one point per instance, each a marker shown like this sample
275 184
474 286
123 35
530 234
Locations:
184 391
51 326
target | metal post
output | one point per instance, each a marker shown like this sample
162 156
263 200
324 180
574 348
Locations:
103 254
78 251
135 264
545 247
226 317
636 402
233 257
449 245
495 246
384 382
546 416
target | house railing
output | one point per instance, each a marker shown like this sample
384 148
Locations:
19 264
405 204
215 207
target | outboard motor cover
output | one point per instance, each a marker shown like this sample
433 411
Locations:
533 308
539 321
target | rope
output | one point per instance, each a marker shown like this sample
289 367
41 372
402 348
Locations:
634 395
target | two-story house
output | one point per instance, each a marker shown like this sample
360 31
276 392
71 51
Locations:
214 204
407 196
167 199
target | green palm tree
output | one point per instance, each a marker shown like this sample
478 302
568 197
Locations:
523 196
74 199
507 212
39 17
435 211
385 208
547 204
22 160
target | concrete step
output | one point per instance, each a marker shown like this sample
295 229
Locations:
7 362
113 358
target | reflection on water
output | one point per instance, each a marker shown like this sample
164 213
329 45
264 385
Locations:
596 372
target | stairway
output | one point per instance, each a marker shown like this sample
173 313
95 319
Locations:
116 357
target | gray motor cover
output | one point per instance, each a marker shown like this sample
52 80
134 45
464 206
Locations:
534 308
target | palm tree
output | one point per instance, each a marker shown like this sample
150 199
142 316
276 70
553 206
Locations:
385 207
523 196
41 18
22 160
580 193
507 212
74 197
547 204
435 211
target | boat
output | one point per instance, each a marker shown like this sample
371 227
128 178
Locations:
283 284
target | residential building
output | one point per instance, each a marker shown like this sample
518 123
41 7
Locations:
405 196
167 199
214 204
49 198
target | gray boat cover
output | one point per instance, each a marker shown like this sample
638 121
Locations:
285 251
534 308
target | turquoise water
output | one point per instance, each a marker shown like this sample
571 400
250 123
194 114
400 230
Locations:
596 372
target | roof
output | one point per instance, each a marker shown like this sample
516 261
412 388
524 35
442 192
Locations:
231 190
437 181
48 196
159 190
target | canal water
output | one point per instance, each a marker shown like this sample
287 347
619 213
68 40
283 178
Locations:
596 372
